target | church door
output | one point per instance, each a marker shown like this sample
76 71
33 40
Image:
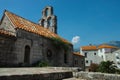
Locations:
27 55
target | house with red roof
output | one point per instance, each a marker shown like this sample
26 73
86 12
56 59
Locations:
96 54
106 52
91 55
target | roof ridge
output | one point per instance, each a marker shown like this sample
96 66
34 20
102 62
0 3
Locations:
78 54
21 17
106 45
89 46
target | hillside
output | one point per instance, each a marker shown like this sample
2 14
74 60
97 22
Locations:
114 43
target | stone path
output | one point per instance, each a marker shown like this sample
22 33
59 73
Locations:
45 73
74 79
21 71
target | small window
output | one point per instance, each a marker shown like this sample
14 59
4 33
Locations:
86 61
82 62
76 62
102 56
94 53
91 61
117 57
118 63
85 54
100 50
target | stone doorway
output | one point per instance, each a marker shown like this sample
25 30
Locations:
27 55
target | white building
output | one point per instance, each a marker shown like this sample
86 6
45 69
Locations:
117 58
106 52
96 54
91 55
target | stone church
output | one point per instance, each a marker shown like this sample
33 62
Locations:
23 42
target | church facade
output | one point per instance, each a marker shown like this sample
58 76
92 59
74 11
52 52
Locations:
23 42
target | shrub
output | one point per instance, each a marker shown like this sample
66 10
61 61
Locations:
118 71
107 67
41 64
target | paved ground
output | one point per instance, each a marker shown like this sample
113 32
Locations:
74 79
21 71
46 73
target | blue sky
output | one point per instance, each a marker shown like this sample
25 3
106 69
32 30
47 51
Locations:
94 21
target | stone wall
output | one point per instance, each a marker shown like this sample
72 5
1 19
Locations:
40 46
33 41
7 57
96 76
79 61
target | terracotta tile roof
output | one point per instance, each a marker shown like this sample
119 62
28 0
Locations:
105 46
29 26
87 48
78 54
6 33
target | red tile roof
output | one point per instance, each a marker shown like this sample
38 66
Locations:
29 26
6 32
105 46
78 54
87 48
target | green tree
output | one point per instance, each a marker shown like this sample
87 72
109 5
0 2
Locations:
107 67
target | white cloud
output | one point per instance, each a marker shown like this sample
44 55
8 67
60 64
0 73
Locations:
75 40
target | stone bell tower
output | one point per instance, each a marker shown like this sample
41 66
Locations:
49 20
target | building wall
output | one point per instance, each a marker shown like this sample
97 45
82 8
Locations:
91 57
117 58
101 53
106 54
7 25
6 51
110 56
39 49
79 61
7 45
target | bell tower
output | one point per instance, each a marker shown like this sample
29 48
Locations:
49 20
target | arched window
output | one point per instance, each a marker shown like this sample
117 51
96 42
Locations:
27 55
43 22
46 12
65 58
50 22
